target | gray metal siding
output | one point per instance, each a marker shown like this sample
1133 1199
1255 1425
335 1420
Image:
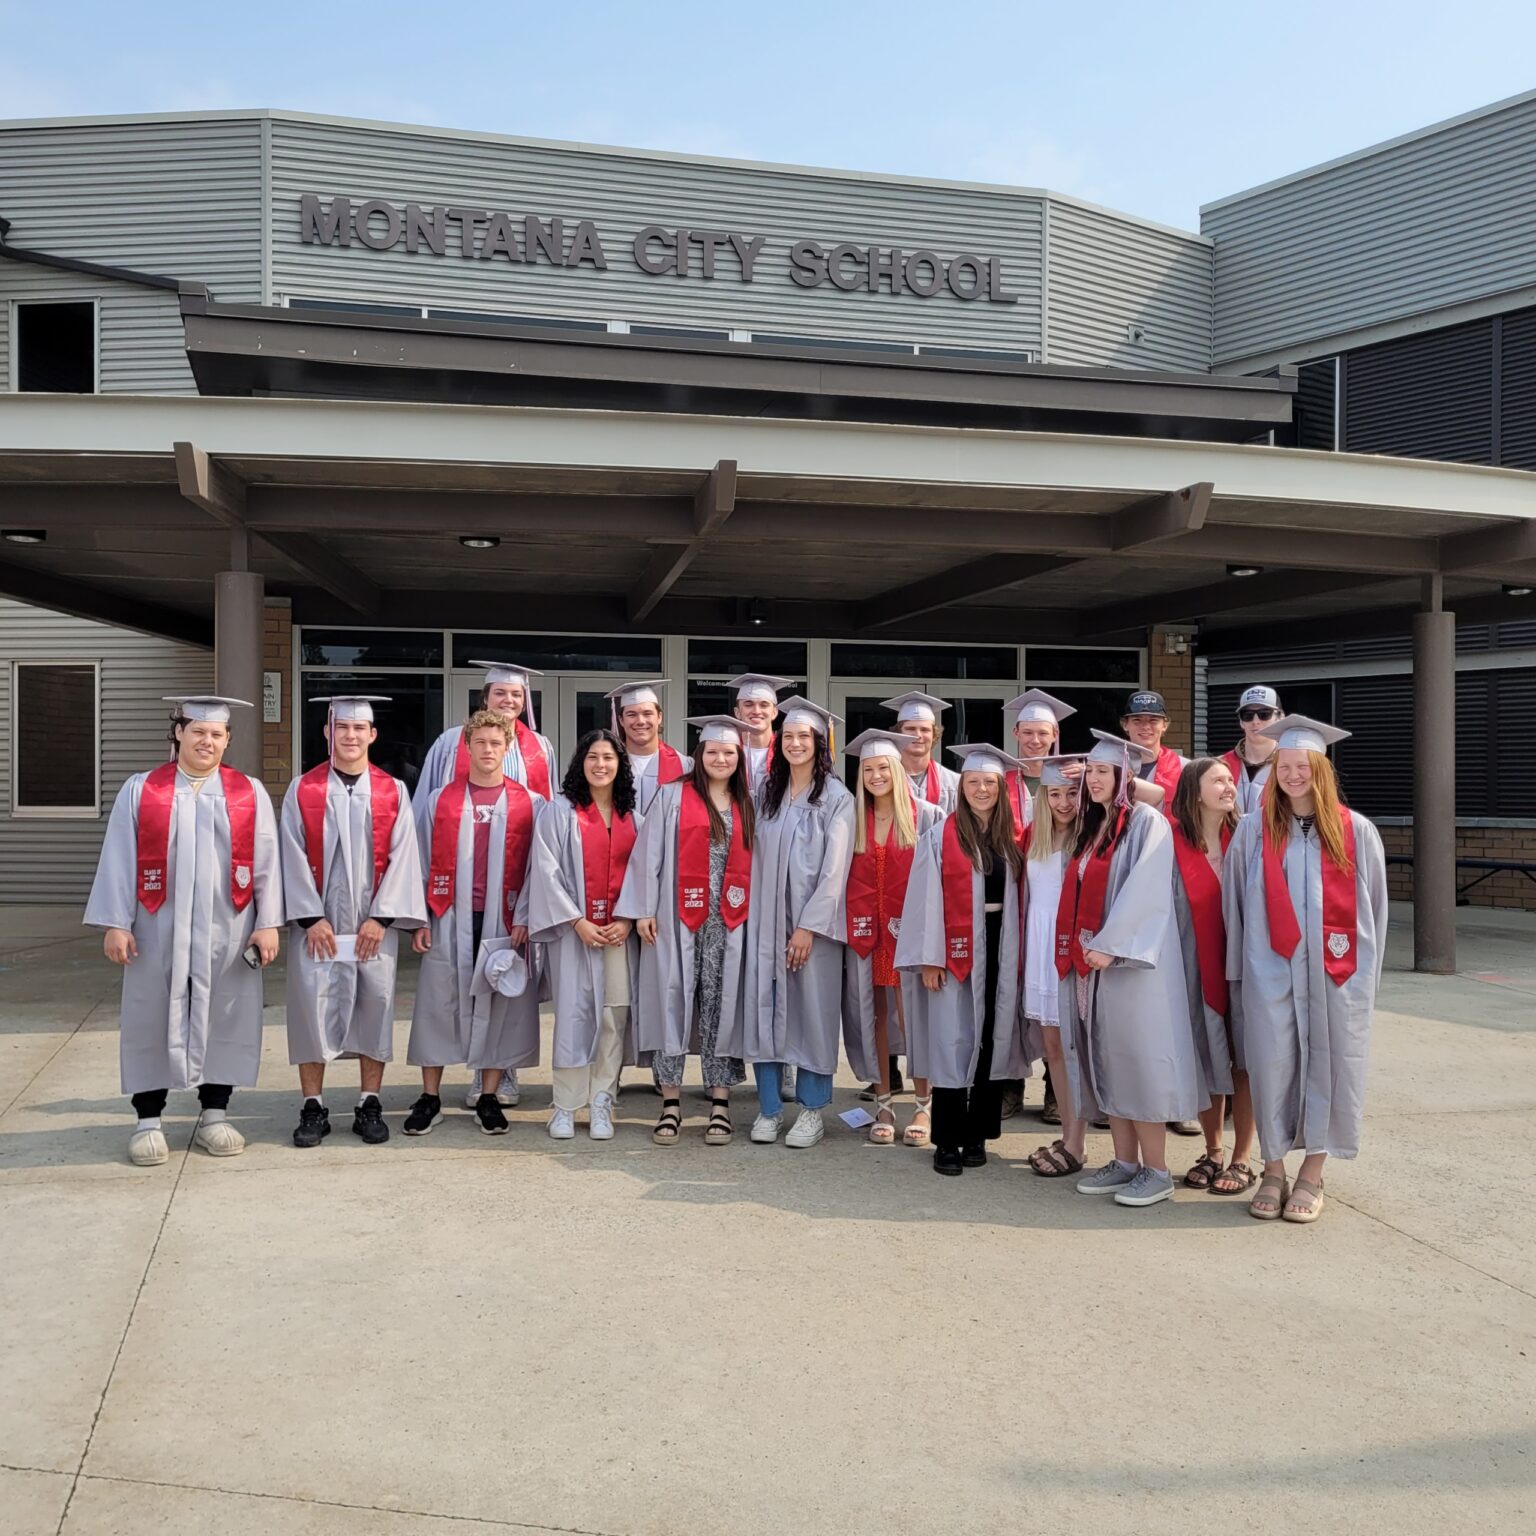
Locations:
53 860
622 194
1109 274
1441 219
178 199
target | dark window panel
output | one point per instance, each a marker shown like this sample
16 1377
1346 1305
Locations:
1083 665
56 713
977 663
356 307
408 724
56 349
371 648
1315 402
780 658
563 653
541 322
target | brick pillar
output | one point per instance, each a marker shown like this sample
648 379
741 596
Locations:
277 656
1173 676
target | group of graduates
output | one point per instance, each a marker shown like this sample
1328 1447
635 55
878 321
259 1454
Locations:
1166 936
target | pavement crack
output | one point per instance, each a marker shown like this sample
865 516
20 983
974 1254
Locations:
85 1019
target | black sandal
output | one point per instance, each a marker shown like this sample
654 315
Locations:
670 1125
719 1131
1239 1170
1204 1173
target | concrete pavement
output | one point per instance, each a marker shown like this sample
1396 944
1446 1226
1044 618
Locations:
623 1339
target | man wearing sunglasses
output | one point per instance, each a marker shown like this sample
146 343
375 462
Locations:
1250 760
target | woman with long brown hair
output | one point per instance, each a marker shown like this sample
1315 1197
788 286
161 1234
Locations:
1204 815
960 934
1306 910
687 889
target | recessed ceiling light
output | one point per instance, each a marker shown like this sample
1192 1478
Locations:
26 536
1244 570
1508 591
479 540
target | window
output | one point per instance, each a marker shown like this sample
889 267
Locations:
978 663
692 332
1084 665
730 658
55 739
55 347
408 724
372 648
542 322
355 307
563 653
833 343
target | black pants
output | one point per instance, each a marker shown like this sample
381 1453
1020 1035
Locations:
967 1117
151 1105
476 928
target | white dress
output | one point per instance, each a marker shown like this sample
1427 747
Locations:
1041 983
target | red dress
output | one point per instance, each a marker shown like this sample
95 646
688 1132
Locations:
884 958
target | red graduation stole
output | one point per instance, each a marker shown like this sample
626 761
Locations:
1166 771
1203 887
312 794
604 858
1023 807
1341 917
863 894
535 764
931 792
1237 766
446 820
957 873
155 802
693 866
1080 912
669 766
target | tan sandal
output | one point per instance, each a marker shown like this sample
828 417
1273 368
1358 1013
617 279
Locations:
917 1135
883 1132
1270 1181
719 1131
1304 1214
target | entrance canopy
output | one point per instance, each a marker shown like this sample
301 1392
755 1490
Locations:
681 523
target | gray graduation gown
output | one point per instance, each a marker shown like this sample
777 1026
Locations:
949 787
859 986
191 1009
799 880
454 1021
1305 1040
347 1010
663 1010
1134 1056
944 1028
557 891
437 766
757 767
1250 792
648 784
1208 1029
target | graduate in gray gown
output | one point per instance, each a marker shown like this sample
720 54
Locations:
581 851
687 889
189 892
917 719
876 995
756 708
637 721
351 822
477 990
1124 1014
797 927
960 929
1306 913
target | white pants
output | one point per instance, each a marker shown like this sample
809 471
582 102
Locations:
576 1087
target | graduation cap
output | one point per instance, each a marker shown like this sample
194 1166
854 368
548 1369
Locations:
1108 748
1304 733
983 757
351 706
515 674
759 685
212 708
801 712
723 728
915 706
1037 704
1051 775
629 695
876 744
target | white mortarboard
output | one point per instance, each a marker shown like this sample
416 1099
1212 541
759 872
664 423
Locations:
629 695
797 711
1305 734
211 708
351 706
983 757
1259 697
759 685
506 972
1051 776
518 676
915 706
876 744
1108 748
1036 704
724 728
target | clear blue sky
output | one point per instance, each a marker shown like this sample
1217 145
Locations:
1150 108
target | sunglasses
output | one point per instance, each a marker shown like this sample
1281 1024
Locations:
1257 714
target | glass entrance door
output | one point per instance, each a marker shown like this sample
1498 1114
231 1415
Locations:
584 706
464 699
975 712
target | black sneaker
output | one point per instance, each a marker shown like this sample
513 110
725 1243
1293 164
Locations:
314 1124
368 1121
948 1162
974 1157
488 1111
426 1112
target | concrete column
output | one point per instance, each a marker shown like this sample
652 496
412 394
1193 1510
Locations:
237 632
1434 788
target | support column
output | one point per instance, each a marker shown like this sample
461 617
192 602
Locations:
237 635
1434 785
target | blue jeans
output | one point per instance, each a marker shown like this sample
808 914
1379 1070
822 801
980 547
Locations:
812 1089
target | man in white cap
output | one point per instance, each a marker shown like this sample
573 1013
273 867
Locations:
757 707
352 880
917 718
637 723
530 761
189 892
1252 758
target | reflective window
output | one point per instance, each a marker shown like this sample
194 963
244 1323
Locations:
408 724
53 745
1042 662
371 648
779 658
563 653
540 322
349 306
987 663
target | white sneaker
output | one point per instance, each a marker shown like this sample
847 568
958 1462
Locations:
765 1129
220 1139
562 1124
600 1118
507 1094
807 1129
147 1149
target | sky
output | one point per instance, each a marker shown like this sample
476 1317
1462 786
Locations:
1149 108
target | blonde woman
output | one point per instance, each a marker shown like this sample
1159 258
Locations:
888 822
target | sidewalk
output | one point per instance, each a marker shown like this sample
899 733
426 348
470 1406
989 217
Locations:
625 1340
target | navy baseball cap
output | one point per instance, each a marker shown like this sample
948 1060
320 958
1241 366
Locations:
1147 703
